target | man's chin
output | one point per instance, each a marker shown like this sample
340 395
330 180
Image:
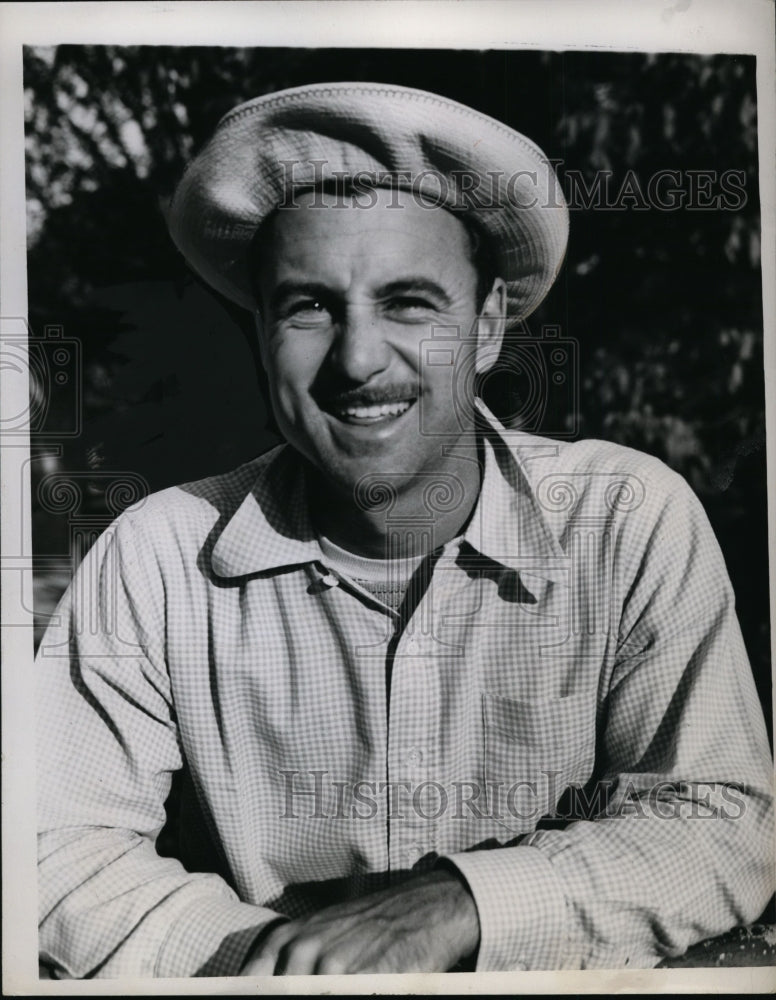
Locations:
365 482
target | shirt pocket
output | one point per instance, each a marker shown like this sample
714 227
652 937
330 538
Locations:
535 749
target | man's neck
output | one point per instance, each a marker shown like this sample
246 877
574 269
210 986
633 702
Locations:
419 520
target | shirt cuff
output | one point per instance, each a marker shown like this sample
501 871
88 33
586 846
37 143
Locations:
521 907
212 937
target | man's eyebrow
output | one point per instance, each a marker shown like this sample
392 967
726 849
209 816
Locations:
404 286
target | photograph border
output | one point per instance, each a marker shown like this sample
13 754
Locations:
702 26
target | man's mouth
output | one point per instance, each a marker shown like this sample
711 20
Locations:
375 406
373 413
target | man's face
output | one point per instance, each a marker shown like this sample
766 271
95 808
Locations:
348 295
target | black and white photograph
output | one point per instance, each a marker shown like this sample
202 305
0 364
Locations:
385 500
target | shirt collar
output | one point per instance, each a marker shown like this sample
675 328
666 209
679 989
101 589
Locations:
508 524
272 529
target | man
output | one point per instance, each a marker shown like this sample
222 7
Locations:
436 694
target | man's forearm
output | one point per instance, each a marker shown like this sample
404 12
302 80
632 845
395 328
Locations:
137 913
623 891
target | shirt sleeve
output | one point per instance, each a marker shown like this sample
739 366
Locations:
107 745
676 844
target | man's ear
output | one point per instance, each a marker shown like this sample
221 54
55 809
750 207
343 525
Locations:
490 327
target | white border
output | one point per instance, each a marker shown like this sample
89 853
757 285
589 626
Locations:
707 26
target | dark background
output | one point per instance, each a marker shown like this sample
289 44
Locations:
164 381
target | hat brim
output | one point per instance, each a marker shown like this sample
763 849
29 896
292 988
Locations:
265 149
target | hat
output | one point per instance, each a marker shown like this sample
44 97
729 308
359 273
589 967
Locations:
265 150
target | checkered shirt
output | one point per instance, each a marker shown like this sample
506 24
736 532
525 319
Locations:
568 718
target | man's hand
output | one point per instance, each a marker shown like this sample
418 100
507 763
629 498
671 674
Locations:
425 925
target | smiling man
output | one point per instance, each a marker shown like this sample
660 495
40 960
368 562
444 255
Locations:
347 300
436 694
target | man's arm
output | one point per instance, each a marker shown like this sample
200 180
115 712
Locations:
107 747
685 848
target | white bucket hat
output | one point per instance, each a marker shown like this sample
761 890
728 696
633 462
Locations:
379 135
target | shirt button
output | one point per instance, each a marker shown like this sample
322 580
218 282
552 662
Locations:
415 757
329 580
414 854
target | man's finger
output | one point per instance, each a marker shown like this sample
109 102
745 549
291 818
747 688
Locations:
263 959
261 965
299 957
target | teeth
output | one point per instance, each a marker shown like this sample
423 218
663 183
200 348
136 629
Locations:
379 410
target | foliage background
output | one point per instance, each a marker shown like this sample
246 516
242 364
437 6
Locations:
665 306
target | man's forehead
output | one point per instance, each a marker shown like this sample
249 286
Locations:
376 209
325 232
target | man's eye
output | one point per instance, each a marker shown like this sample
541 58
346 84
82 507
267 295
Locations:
410 303
307 309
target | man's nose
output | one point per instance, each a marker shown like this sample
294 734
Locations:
360 350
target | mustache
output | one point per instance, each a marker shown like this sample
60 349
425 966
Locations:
364 395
